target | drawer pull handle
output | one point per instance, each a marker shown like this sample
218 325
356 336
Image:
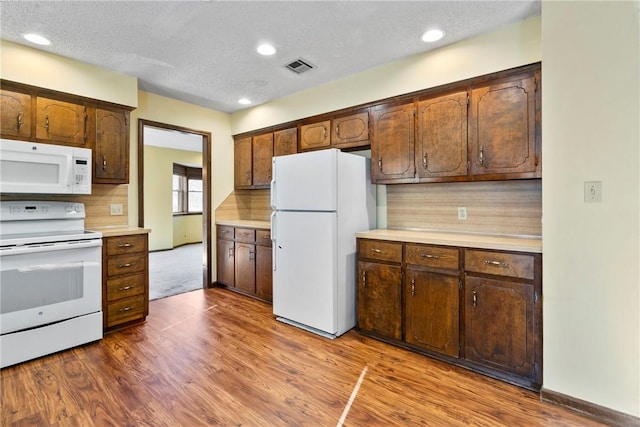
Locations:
378 251
125 245
502 264
125 309
266 236
126 288
127 265
430 256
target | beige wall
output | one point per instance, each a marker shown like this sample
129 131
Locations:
38 68
187 229
590 132
158 205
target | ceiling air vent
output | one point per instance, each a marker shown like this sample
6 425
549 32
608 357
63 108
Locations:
299 66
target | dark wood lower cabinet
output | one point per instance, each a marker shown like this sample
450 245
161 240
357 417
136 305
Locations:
479 309
500 325
244 262
380 299
431 311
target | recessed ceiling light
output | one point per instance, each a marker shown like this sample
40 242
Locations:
266 49
432 35
244 101
37 39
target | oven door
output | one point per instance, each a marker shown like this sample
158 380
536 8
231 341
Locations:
43 284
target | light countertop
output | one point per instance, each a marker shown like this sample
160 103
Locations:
120 230
470 240
245 223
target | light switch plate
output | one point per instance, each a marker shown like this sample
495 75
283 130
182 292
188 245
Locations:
593 191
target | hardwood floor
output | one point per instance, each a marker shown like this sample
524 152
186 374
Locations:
214 357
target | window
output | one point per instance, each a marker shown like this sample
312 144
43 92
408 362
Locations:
187 189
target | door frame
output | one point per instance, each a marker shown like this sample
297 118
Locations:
206 188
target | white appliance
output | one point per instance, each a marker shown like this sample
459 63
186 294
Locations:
32 168
50 280
320 199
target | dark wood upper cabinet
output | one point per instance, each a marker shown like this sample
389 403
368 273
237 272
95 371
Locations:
392 143
441 146
111 151
242 163
60 122
15 110
315 136
504 137
285 142
350 131
262 154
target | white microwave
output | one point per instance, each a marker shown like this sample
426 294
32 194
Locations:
32 168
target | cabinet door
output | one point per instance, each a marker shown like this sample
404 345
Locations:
315 135
502 128
225 262
15 110
392 148
59 122
379 299
242 163
500 324
245 257
350 131
111 154
264 273
432 311
285 142
441 149
262 154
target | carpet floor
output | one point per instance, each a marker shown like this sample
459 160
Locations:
176 271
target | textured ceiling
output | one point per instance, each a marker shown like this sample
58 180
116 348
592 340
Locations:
204 52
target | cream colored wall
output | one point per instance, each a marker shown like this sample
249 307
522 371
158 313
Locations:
187 229
508 47
158 204
590 132
38 68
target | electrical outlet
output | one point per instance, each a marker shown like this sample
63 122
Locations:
593 191
462 213
116 209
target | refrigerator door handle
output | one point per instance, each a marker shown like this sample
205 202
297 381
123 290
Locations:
273 183
273 240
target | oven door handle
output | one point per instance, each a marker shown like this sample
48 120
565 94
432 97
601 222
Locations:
50 247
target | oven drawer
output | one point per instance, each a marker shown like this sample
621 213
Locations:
125 286
124 264
126 244
125 310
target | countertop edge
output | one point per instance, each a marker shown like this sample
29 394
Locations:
252 223
112 231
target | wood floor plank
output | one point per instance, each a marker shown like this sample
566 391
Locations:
213 357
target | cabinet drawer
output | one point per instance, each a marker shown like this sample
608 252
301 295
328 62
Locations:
380 250
126 244
125 286
500 264
224 232
432 256
124 264
263 237
125 310
245 235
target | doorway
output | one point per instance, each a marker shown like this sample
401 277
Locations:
144 127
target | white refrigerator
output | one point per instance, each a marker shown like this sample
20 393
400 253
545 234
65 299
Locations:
320 199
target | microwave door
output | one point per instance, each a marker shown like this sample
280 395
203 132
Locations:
28 172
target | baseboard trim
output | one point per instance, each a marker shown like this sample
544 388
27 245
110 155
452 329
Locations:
591 410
